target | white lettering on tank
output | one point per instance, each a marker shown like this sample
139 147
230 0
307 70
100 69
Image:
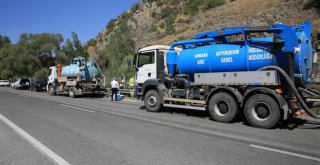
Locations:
201 62
228 52
265 56
255 50
201 55
226 59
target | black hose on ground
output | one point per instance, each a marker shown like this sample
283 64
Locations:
293 89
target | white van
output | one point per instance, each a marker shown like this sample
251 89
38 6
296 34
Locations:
4 83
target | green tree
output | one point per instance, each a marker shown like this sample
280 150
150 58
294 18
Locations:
68 49
78 47
4 40
33 52
121 46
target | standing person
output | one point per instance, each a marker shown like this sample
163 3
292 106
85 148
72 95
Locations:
114 88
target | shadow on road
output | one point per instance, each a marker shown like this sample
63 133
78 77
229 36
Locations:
185 112
290 124
295 123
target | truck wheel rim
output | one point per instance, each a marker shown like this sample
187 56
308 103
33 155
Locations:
71 91
221 107
51 89
152 101
261 111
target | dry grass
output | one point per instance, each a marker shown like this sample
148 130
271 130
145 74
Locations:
241 12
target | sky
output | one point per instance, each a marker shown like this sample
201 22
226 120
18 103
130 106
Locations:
85 17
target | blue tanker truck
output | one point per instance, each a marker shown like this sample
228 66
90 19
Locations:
78 78
263 72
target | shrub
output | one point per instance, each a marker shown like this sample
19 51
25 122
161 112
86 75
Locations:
149 1
313 4
160 2
153 28
154 14
135 7
208 4
169 25
192 7
166 12
174 2
162 25
110 25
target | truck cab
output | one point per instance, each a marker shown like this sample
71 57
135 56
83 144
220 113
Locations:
150 63
52 76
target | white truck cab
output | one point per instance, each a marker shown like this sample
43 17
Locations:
150 63
52 76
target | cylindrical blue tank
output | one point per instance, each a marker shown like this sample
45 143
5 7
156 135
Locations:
223 58
88 71
243 55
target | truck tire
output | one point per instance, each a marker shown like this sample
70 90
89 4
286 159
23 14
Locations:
223 107
72 92
51 89
262 111
152 101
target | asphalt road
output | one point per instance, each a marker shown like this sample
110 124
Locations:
36 128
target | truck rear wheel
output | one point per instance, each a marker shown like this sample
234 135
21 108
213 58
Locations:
223 107
262 111
152 101
72 93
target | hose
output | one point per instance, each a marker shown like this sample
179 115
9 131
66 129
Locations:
316 104
294 90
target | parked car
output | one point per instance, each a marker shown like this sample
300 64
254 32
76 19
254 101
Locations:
4 83
22 84
38 85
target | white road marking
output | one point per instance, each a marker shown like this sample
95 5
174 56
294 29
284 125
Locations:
35 143
286 152
82 109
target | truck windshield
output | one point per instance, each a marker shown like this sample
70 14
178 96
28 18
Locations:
146 58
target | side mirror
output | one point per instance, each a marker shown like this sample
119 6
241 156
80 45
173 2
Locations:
134 60
129 63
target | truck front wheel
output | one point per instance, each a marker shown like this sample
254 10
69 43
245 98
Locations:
262 111
72 93
223 107
152 101
51 89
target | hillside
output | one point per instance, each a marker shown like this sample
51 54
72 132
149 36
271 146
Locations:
148 19
164 21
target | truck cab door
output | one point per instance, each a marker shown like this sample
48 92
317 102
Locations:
146 66
52 74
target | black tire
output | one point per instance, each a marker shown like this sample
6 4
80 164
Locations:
262 111
223 107
152 101
51 89
72 93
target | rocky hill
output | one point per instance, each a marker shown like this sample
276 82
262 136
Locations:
163 21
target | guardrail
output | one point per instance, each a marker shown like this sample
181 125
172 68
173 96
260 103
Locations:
125 92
